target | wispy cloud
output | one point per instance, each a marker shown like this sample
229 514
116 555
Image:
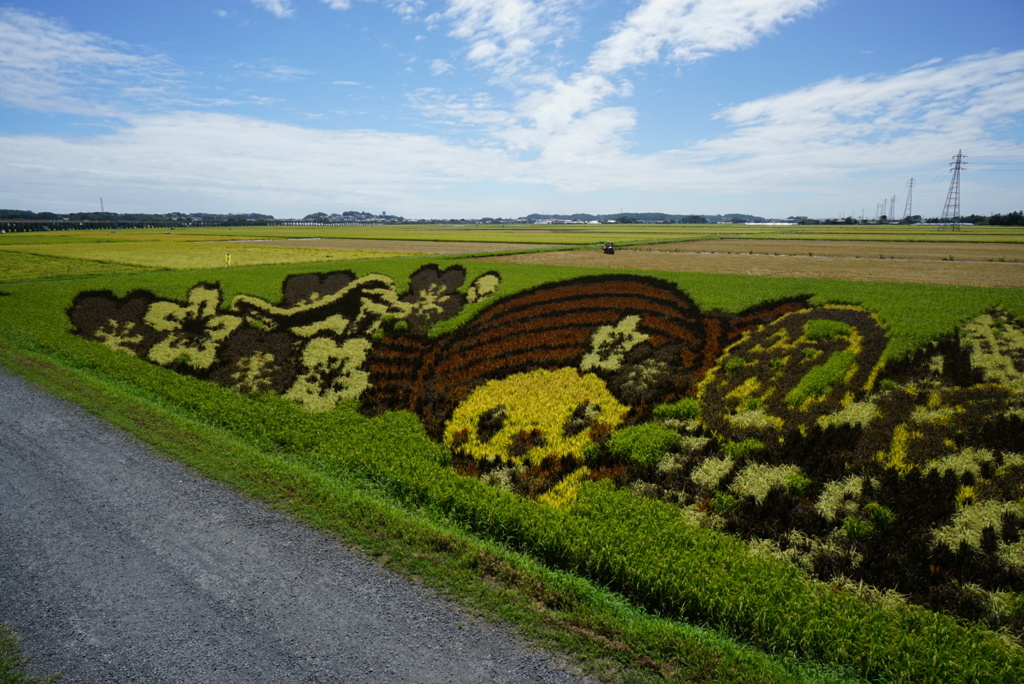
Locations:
479 112
407 9
691 30
505 35
440 66
966 99
45 66
837 134
273 72
204 159
281 72
282 9
554 114
815 139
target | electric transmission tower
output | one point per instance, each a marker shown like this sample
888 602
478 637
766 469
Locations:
951 211
910 196
892 208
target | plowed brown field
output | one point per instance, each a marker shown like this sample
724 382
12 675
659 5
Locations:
976 264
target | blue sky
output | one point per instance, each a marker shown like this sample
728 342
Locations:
473 108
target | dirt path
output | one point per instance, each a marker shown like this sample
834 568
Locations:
119 566
902 262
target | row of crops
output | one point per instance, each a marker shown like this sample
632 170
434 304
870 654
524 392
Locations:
831 470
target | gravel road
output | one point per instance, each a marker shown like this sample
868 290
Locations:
117 565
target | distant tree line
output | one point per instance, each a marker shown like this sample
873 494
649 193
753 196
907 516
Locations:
20 214
644 217
639 218
17 220
350 217
1014 218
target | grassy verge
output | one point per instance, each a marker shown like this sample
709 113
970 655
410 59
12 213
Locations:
13 662
602 634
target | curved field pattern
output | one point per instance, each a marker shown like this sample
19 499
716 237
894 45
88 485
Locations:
781 425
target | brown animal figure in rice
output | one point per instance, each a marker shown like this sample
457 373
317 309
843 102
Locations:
647 340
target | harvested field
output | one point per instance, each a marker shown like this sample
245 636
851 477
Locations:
405 246
980 265
966 251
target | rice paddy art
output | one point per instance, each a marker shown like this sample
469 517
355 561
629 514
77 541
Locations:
781 425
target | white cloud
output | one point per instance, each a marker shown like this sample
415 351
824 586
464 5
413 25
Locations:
282 9
478 111
262 101
552 113
840 135
272 72
960 99
836 138
684 31
45 66
439 67
216 160
407 9
504 35
692 29
286 73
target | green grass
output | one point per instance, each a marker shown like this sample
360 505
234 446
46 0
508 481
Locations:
192 255
13 661
642 445
820 379
16 267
